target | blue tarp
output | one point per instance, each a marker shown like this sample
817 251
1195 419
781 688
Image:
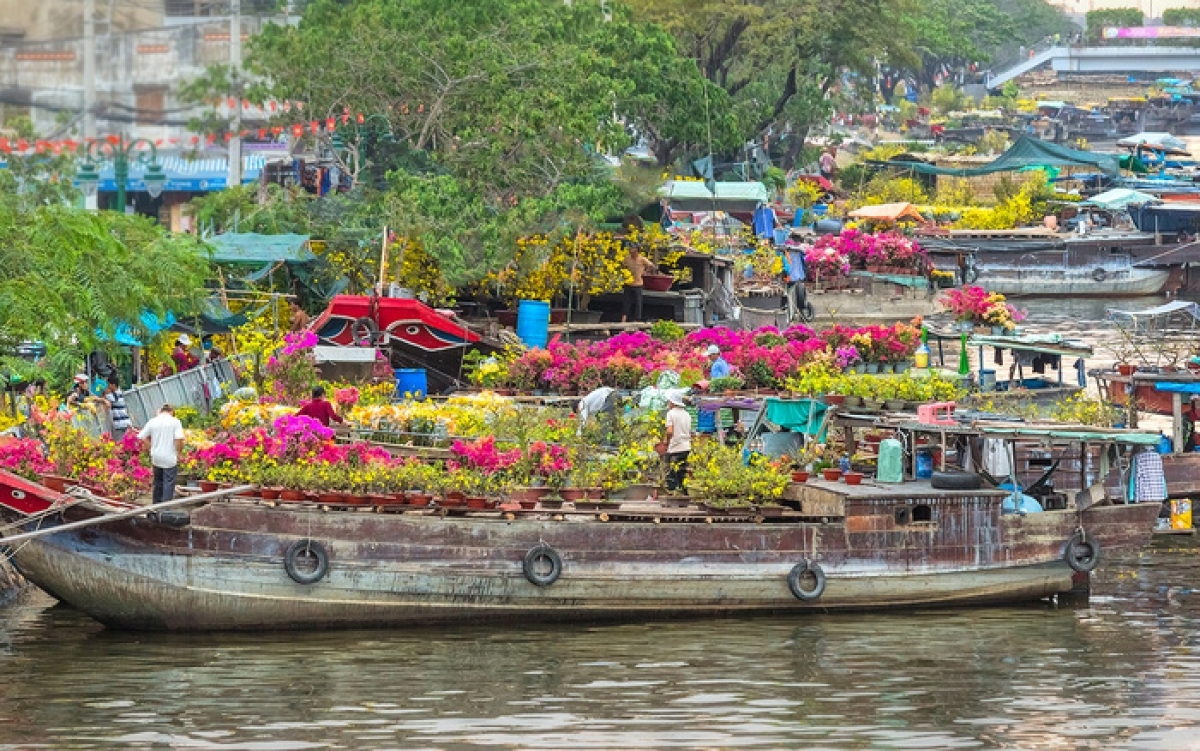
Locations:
150 323
1178 388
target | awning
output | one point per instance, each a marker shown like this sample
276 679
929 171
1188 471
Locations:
888 212
693 195
1024 154
256 249
188 175
1157 141
1161 310
1118 198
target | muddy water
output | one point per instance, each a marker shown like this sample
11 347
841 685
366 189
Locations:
1121 673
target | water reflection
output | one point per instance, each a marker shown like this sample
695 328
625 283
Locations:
1123 671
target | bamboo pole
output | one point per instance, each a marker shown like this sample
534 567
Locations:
83 523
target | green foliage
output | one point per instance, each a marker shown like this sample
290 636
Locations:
666 331
1098 19
69 277
948 99
1181 17
885 189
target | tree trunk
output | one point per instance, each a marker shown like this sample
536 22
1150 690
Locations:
795 147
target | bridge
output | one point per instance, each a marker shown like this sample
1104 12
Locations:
1115 59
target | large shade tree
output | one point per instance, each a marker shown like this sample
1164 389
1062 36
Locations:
70 277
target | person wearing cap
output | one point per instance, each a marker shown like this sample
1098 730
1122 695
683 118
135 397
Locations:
183 358
165 433
679 442
79 392
720 368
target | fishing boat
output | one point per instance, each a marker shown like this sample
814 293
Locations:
230 563
1040 262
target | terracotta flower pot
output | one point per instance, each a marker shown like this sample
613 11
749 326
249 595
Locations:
853 478
476 502
452 500
419 499
528 504
799 477
831 475
354 499
657 282
288 494
270 494
55 482
834 400
1126 369
330 497
573 494
208 486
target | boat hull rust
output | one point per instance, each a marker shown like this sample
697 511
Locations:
225 571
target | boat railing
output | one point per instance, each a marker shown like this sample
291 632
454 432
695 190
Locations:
197 388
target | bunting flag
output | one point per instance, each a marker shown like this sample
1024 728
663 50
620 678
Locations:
330 124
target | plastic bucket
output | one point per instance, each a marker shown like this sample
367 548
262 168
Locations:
411 381
533 323
781 235
924 465
987 380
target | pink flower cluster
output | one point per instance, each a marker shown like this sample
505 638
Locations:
763 358
24 457
482 455
298 342
835 255
548 459
347 397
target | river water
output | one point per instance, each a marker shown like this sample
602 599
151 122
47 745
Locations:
1122 672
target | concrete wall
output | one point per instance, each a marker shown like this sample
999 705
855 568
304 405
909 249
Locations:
47 77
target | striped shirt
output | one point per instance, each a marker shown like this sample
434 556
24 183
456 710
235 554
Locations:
120 415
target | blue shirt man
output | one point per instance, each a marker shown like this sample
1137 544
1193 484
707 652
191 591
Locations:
720 368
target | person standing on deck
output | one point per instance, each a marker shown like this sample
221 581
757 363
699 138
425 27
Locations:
679 442
720 367
182 356
638 266
79 392
115 399
165 434
319 409
1191 417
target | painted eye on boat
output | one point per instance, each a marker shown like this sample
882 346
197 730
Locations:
413 329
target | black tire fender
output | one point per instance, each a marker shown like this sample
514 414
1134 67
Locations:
535 561
1082 554
306 548
796 581
1099 274
364 332
955 481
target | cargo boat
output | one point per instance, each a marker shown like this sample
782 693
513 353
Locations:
243 564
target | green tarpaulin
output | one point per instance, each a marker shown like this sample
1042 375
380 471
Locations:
692 195
252 248
1024 154
799 416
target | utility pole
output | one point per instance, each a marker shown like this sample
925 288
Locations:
235 72
89 68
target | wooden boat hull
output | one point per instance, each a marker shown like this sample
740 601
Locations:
1132 283
226 569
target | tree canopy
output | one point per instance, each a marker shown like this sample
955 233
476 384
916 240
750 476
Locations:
70 277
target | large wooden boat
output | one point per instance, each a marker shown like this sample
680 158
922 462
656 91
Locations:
233 564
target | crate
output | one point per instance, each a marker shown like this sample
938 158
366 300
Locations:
936 413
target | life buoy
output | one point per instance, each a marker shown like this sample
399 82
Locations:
1082 554
309 550
798 582
536 562
364 332
1099 274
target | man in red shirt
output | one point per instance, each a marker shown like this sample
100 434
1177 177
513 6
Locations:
319 409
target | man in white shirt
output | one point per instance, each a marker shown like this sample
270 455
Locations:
165 434
679 442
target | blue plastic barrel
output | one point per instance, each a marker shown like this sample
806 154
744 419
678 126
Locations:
924 465
411 383
533 323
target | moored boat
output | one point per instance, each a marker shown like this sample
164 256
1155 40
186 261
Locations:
238 563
